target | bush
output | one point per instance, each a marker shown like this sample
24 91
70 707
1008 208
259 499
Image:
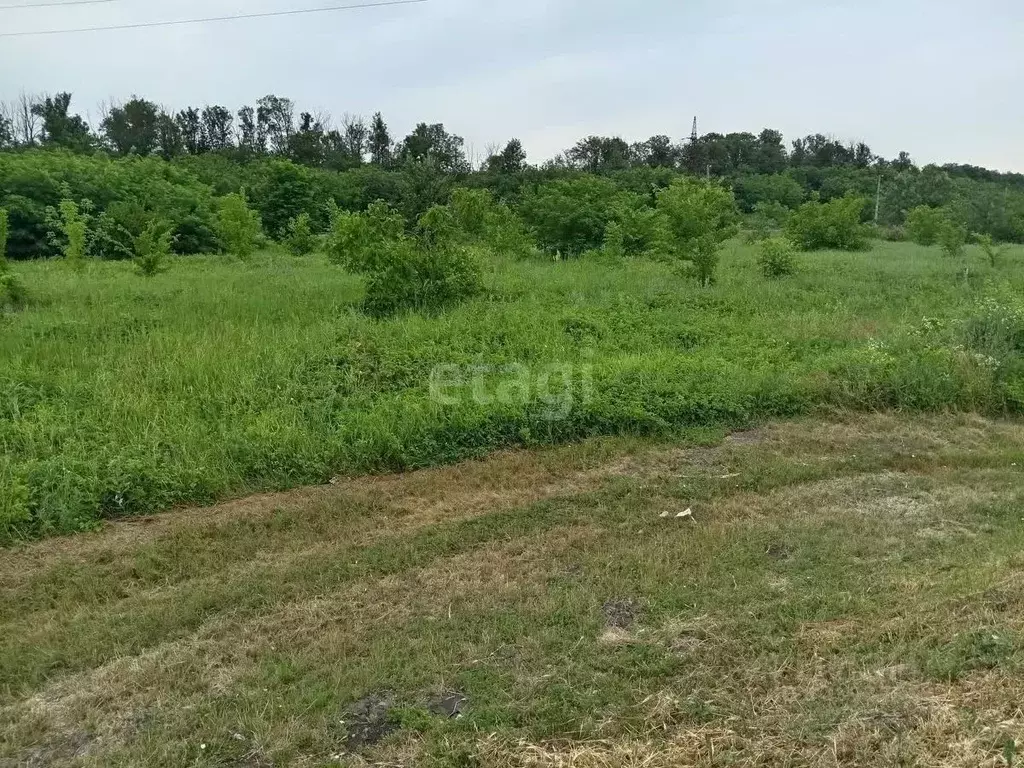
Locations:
357 240
195 234
152 248
952 238
994 253
12 292
777 257
428 271
72 224
238 225
570 216
832 225
699 216
300 240
924 224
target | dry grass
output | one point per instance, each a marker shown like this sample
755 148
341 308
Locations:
847 592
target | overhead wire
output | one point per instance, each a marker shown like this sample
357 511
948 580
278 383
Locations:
209 19
54 4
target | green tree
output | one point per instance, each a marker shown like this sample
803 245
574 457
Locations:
835 224
238 225
570 216
300 240
952 238
74 227
380 143
925 223
133 127
432 144
511 160
993 252
700 216
59 128
776 257
152 249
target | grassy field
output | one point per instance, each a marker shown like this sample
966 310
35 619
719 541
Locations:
121 395
846 591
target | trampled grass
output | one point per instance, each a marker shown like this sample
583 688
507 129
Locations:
121 395
846 591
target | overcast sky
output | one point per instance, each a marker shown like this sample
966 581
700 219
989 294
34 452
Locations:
942 79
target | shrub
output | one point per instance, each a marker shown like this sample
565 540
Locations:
152 248
300 240
195 234
72 225
238 225
924 224
993 252
777 257
12 292
952 238
570 216
614 246
835 224
699 217
357 240
426 272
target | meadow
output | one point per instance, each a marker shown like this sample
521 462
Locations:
124 395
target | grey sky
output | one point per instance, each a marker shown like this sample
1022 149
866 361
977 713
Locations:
942 79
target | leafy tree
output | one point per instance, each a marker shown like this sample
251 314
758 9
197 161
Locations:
300 240
217 133
835 224
169 138
281 191
275 123
599 154
239 226
952 238
356 137
992 251
380 143
132 128
657 152
771 154
569 216
74 227
432 144
59 128
355 238
768 188
924 224
511 159
307 145
700 216
250 141
152 249
190 126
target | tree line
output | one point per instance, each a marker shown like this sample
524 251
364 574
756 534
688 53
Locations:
142 164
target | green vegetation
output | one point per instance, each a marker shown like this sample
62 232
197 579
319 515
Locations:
835 224
776 257
238 225
300 240
844 590
123 396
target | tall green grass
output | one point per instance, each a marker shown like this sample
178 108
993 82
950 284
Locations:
120 396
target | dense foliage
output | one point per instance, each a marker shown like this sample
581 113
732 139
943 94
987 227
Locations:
142 165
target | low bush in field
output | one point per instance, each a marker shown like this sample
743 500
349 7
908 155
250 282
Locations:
152 249
833 225
776 257
300 239
427 271
924 224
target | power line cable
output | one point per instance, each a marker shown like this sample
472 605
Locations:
54 4
179 22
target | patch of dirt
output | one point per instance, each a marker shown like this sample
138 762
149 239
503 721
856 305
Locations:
620 613
450 704
368 720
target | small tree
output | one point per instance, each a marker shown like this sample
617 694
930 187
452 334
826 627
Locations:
152 249
238 225
994 253
952 239
300 240
699 216
357 240
75 230
776 257
924 224
835 224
